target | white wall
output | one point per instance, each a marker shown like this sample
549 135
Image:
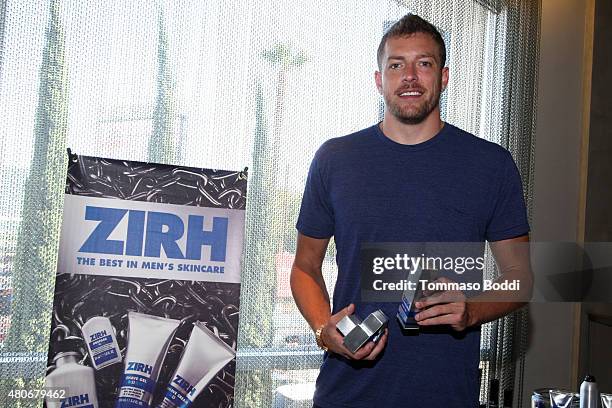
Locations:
559 120
558 136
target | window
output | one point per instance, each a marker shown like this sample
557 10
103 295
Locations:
238 83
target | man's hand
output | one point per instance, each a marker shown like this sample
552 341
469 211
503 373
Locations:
312 299
332 339
512 257
447 307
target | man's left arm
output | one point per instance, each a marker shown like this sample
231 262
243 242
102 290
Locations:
452 307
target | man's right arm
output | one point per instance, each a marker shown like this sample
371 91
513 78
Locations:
307 284
312 299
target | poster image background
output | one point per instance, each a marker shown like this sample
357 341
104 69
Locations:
80 296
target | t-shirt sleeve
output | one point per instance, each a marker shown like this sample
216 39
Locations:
316 218
509 215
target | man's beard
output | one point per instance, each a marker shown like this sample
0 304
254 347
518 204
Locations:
413 115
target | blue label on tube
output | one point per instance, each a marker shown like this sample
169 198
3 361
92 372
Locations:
101 342
104 356
174 398
136 391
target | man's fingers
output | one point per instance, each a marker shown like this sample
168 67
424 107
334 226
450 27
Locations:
380 346
441 309
368 352
350 308
364 351
432 321
452 314
347 311
371 349
441 297
346 352
453 320
434 311
335 342
428 301
332 339
358 355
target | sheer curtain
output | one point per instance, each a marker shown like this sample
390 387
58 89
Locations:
227 85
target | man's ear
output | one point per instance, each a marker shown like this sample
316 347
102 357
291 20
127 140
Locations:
444 78
378 81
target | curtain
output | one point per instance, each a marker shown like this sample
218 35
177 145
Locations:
515 105
228 85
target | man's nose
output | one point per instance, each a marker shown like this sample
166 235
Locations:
409 73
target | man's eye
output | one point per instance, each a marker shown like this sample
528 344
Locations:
394 66
425 63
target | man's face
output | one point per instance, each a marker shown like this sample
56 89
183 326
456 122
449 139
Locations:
411 78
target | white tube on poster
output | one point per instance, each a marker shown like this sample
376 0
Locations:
148 341
204 356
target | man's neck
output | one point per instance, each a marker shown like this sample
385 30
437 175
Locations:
411 134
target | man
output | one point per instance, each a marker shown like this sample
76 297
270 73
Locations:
410 178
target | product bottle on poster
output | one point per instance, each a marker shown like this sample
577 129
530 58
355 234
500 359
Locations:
204 356
101 342
589 395
76 382
148 341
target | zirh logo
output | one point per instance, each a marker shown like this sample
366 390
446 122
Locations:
143 368
184 384
75 400
152 230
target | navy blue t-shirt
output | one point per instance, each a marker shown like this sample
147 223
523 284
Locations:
364 187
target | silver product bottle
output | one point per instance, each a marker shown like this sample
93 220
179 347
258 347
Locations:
589 395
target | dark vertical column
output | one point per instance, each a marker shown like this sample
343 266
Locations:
599 182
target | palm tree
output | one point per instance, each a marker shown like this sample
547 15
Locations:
263 232
283 59
163 146
255 316
259 259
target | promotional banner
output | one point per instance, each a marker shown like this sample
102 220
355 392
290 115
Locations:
148 283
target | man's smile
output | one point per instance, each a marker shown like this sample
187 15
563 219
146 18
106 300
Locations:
410 93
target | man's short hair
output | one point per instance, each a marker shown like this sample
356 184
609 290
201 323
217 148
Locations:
406 26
